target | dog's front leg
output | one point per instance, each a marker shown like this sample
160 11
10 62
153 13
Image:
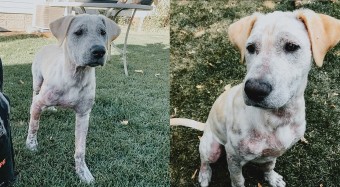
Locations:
36 109
273 178
82 124
235 170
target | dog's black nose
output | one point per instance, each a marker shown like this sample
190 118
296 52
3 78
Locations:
257 90
98 51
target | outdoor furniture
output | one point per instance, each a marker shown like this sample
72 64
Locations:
110 7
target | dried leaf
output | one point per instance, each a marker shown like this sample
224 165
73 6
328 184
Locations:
269 4
139 71
199 86
199 33
22 82
321 185
199 137
192 52
304 140
124 122
183 32
259 185
157 74
193 176
212 65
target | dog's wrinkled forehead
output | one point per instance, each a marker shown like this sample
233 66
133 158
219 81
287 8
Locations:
279 24
87 23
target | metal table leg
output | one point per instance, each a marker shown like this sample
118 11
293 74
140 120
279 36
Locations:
123 52
108 14
125 42
83 10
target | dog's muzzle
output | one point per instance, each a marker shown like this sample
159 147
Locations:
257 90
97 54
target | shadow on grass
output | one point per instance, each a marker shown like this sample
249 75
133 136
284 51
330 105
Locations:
201 65
19 37
136 154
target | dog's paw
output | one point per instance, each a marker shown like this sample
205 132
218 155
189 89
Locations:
274 179
204 176
85 174
32 143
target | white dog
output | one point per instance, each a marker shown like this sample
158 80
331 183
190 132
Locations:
64 75
258 120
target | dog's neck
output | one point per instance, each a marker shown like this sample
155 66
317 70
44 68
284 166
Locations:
290 108
77 73
292 113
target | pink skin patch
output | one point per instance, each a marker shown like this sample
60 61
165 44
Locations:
36 110
261 144
215 152
52 96
59 98
203 167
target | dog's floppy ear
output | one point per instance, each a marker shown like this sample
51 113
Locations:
112 29
239 32
323 31
60 26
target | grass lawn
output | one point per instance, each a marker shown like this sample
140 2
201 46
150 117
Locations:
136 154
202 62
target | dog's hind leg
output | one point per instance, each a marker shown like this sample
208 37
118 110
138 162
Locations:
273 178
210 151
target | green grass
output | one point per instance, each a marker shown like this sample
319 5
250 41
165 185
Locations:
202 55
136 154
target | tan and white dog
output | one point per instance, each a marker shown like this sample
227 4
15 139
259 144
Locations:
261 118
64 75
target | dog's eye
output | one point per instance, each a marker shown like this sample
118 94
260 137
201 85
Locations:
290 47
251 48
79 32
102 32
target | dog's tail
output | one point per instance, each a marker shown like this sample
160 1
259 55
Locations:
187 123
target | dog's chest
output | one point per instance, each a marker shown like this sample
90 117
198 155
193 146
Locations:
270 135
69 97
261 144
257 143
